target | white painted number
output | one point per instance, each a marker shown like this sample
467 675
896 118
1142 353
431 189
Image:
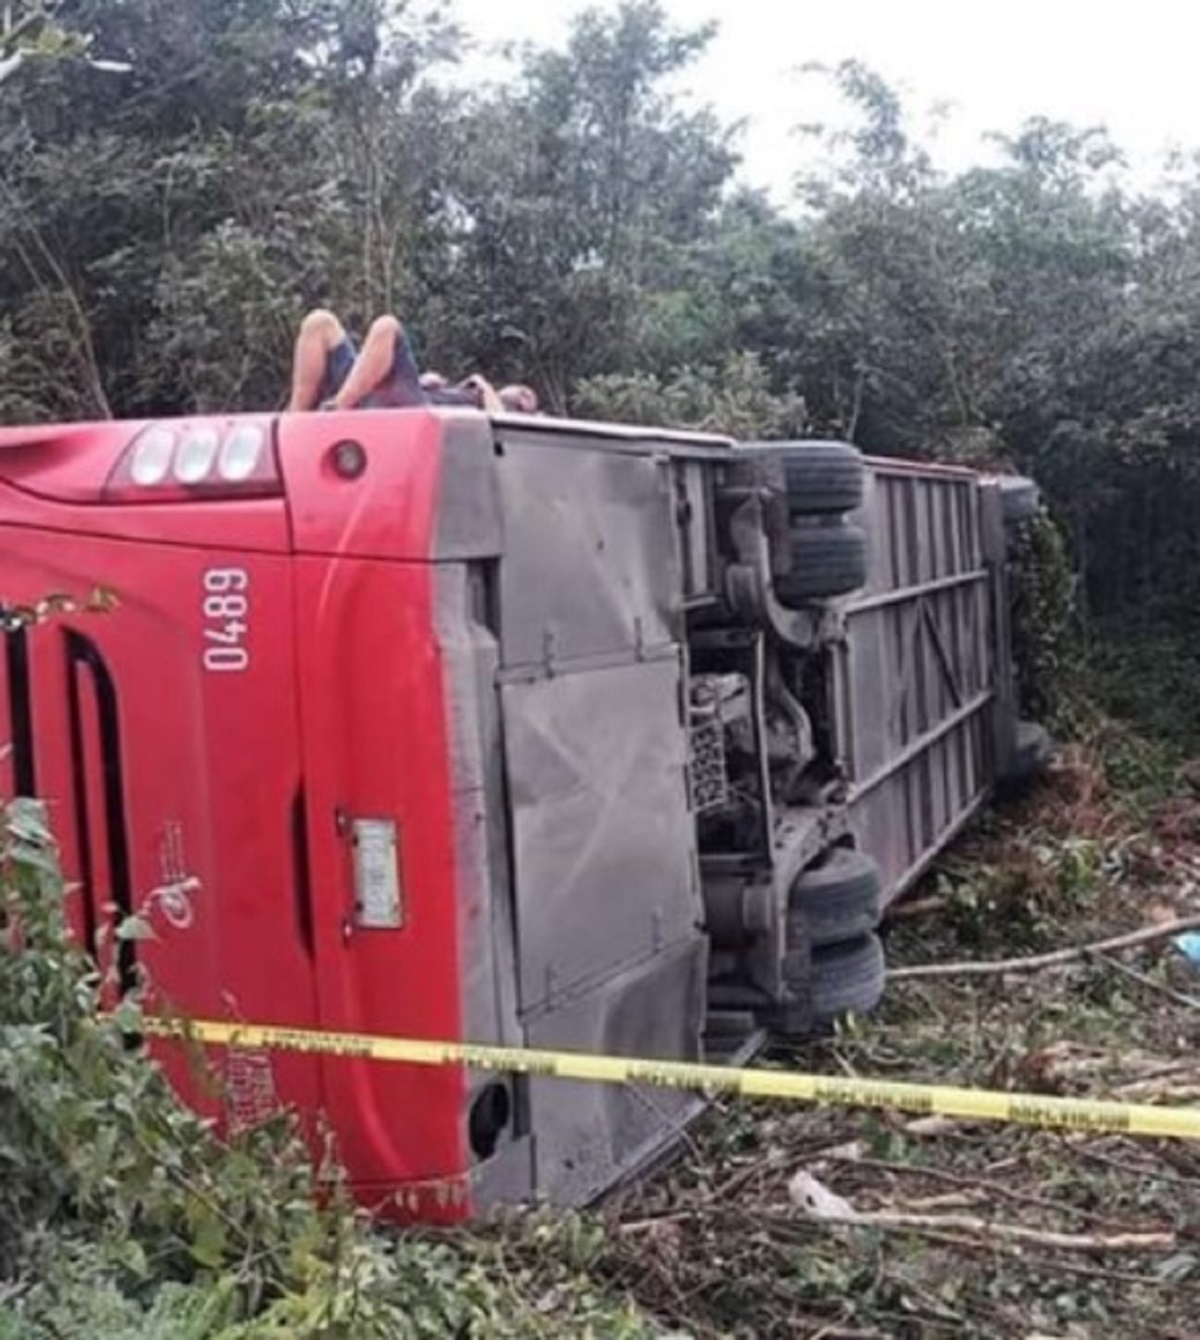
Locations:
219 580
226 607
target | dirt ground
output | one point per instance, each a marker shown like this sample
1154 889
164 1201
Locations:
1006 1232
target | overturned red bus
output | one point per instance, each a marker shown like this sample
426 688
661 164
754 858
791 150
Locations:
513 731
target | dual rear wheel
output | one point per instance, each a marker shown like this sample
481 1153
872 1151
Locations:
833 911
828 556
834 956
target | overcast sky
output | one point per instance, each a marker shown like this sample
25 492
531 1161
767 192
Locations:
1131 67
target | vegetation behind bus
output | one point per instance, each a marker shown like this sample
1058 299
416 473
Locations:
579 225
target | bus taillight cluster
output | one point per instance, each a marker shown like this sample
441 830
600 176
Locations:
233 458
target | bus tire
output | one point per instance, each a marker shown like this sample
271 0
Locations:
847 978
823 478
826 562
1020 500
838 900
1030 757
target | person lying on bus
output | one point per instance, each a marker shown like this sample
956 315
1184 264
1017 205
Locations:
330 372
519 399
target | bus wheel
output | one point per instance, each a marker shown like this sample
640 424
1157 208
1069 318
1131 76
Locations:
826 562
823 478
847 978
837 900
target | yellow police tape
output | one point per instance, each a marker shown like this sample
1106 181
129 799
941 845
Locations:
1072 1114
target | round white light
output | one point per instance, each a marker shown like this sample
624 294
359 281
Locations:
241 452
196 454
152 457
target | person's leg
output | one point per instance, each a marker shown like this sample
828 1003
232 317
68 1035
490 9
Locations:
385 372
320 361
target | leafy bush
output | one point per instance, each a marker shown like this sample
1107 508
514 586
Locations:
735 398
125 1216
1045 631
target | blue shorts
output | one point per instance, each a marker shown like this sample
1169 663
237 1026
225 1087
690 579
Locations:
401 388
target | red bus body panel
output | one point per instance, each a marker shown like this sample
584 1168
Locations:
172 791
217 804
369 672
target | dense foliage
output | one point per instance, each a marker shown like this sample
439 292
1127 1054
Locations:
179 182
123 1216
1044 628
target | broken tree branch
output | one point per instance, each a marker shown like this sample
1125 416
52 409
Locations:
1036 962
991 1188
817 1202
1088 1243
1143 979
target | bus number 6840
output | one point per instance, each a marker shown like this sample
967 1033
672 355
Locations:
226 606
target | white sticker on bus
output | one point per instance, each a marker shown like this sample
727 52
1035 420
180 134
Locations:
226 608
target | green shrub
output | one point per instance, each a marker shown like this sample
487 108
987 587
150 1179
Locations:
125 1216
1045 632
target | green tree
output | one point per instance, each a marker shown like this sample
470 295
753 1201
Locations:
166 237
579 194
